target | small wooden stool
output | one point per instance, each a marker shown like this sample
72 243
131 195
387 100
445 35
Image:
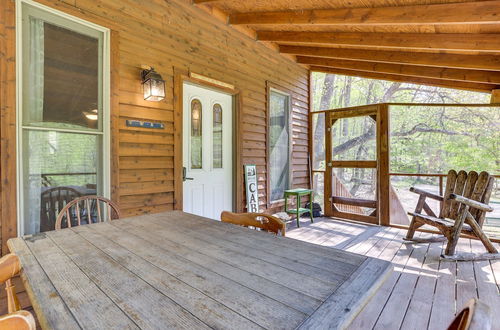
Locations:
298 193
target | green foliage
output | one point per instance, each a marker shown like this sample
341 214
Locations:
424 139
345 91
56 157
428 139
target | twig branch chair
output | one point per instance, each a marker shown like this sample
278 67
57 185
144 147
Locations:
86 210
263 221
464 206
21 320
9 268
475 316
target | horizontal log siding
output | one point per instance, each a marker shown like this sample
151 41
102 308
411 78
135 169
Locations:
175 34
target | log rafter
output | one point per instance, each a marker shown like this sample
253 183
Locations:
462 59
459 61
476 42
489 77
480 12
477 87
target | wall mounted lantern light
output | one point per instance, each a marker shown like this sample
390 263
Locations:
153 85
91 115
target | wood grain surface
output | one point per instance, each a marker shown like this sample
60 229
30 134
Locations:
179 270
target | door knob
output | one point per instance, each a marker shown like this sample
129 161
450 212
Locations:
184 178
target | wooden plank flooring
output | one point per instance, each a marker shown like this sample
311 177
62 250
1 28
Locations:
423 292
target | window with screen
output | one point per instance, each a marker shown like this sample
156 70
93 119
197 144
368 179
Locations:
64 119
278 144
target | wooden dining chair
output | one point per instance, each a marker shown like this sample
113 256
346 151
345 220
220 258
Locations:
263 221
20 320
475 316
9 268
86 210
53 200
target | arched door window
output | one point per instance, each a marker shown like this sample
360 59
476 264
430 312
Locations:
196 135
217 136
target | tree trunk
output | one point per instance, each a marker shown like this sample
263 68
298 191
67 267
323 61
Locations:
319 131
390 92
326 98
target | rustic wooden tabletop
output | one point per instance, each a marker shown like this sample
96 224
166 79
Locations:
178 270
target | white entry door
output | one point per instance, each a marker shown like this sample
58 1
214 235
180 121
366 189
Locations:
207 151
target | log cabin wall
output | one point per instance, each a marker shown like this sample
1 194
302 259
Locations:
168 35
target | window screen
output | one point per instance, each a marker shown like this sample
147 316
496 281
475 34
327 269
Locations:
62 133
279 144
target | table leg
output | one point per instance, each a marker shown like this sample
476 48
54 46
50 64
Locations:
298 210
286 203
311 206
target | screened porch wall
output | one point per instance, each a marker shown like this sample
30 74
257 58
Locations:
425 141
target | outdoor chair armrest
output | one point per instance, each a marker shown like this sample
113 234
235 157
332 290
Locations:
472 203
9 267
426 193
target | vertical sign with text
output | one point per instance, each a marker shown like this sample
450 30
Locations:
251 188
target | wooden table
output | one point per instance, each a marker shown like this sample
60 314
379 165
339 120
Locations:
177 270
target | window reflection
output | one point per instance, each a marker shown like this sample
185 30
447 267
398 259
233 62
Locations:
63 81
279 144
60 167
196 134
217 136
62 94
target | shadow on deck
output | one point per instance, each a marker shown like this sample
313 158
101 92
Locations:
423 292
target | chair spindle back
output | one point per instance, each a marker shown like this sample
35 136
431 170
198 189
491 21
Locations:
86 210
53 200
258 220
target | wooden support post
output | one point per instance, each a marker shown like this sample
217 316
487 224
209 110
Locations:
383 165
115 116
8 175
495 96
328 169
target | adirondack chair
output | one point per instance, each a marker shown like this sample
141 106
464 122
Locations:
464 206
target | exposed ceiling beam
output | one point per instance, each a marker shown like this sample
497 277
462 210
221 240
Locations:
479 62
486 88
436 41
480 12
480 76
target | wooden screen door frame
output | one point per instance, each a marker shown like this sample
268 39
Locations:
379 113
180 77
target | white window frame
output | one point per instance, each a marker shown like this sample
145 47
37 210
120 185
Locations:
106 104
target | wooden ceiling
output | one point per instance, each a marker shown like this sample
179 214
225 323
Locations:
446 43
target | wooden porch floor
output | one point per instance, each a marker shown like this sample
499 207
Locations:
422 292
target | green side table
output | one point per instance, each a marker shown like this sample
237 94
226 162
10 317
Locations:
298 193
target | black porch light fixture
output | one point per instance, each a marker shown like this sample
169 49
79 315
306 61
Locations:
153 85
